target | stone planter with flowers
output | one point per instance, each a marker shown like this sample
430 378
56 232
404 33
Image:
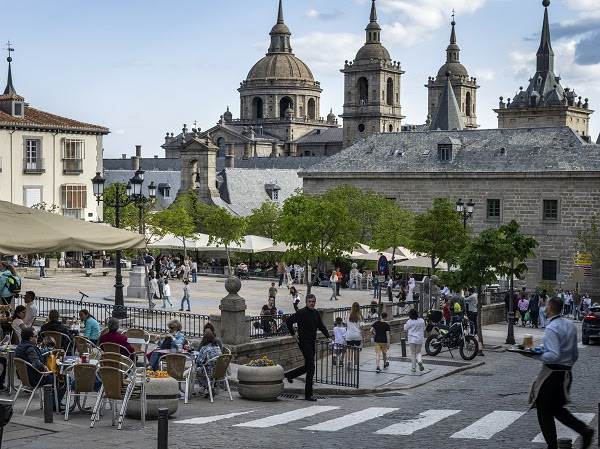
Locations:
260 380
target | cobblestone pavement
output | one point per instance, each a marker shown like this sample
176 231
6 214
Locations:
484 407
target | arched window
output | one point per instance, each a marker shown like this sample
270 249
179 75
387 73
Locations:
286 102
312 109
468 101
363 90
221 145
391 128
390 92
257 108
281 43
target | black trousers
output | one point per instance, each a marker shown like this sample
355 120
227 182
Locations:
308 352
550 404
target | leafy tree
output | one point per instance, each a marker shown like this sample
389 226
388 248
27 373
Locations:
264 221
177 220
588 241
317 227
129 214
393 227
438 233
225 229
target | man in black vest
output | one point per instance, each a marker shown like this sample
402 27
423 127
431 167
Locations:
308 320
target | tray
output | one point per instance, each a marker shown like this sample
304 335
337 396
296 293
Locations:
527 351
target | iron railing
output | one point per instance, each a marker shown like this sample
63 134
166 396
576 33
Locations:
265 326
337 364
369 312
151 320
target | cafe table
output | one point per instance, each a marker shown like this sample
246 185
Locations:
8 352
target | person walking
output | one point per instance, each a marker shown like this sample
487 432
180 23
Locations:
550 391
295 295
389 286
542 310
333 284
186 295
375 284
355 328
411 287
415 327
338 273
534 310
382 340
523 308
166 294
42 264
281 273
471 303
308 320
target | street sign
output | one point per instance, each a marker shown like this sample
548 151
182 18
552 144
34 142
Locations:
382 264
582 259
381 279
578 274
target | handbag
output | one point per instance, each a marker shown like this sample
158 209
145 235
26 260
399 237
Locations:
527 316
517 314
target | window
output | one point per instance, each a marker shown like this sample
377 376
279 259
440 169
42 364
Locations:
167 192
74 196
445 153
312 114
284 105
493 208
390 92
468 102
73 155
18 109
549 270
257 108
361 128
275 195
33 161
550 210
363 90
32 196
222 149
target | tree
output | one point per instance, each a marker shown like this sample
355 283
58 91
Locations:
225 229
317 227
264 221
177 220
588 241
438 233
392 228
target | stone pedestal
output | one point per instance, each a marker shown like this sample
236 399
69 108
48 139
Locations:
160 392
137 287
52 264
260 383
233 329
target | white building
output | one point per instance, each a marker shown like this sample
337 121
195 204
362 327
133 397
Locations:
47 158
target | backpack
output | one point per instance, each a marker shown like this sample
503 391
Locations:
13 284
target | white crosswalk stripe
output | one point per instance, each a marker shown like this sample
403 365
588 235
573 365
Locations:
287 417
207 419
489 425
351 419
410 426
564 432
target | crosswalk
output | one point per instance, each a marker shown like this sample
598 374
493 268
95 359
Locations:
331 418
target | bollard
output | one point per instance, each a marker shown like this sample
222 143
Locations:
403 344
163 428
598 433
565 443
48 404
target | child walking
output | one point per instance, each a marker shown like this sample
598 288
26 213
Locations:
166 294
186 295
381 329
339 342
416 333
272 290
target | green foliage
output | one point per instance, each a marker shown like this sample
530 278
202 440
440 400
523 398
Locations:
521 248
393 227
264 221
178 220
548 286
588 240
129 213
438 233
225 229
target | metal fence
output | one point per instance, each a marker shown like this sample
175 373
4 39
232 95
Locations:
337 364
369 312
151 320
264 326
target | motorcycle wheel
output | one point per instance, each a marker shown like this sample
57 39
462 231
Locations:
432 345
469 349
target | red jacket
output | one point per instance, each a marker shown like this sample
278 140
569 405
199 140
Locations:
120 339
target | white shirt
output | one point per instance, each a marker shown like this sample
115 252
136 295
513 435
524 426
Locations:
416 330
31 314
339 335
353 329
411 283
16 325
166 290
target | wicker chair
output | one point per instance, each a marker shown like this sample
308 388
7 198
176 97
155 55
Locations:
178 368
84 376
83 345
140 349
58 338
219 373
116 348
21 367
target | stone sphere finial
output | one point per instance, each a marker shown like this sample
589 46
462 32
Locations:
233 285
448 72
545 3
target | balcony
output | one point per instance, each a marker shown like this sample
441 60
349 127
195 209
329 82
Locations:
72 166
33 166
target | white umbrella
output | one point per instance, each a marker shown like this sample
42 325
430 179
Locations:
421 262
278 248
199 242
250 244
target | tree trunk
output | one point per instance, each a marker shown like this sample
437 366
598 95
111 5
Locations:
228 259
306 275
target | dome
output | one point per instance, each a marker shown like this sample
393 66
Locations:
280 66
280 28
374 51
455 67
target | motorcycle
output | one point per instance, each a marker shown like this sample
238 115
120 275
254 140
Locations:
455 336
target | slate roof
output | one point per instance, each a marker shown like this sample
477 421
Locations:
242 189
519 150
172 177
150 163
281 163
36 118
323 135
447 115
234 129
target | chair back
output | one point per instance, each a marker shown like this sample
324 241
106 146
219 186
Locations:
113 382
23 372
221 366
85 377
116 360
176 365
58 338
114 348
135 332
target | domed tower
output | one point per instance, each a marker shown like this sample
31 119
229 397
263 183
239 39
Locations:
464 87
371 88
280 89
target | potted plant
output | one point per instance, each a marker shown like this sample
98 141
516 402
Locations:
161 391
260 380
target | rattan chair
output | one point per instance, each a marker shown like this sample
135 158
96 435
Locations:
84 376
179 367
21 367
116 348
219 373
140 349
83 345
58 338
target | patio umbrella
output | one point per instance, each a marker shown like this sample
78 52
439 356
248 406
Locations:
26 230
421 262
199 243
278 248
251 244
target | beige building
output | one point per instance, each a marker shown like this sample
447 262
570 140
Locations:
47 158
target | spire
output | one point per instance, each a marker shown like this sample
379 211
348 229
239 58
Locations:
453 51
373 29
453 34
373 13
280 13
447 116
9 85
280 34
545 54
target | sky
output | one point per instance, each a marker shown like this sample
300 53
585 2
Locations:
144 68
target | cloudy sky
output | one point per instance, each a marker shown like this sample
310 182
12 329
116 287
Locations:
143 68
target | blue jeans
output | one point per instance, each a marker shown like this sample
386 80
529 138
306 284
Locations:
183 300
194 276
42 271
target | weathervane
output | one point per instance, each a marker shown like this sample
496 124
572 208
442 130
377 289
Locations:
453 15
9 48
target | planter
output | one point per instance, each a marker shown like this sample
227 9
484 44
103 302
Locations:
260 383
160 392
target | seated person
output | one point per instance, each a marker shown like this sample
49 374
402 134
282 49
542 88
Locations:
92 328
210 328
208 350
48 345
17 321
257 330
268 311
28 351
55 325
168 341
113 336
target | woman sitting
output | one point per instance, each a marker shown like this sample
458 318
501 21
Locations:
168 341
17 322
113 336
55 325
92 328
206 366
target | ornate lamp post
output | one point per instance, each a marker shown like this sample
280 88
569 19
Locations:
133 191
463 212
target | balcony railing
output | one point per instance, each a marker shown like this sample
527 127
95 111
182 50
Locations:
33 166
72 166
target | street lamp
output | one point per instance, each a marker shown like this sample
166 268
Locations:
133 191
463 212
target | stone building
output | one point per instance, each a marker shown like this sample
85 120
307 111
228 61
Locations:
545 102
464 87
47 158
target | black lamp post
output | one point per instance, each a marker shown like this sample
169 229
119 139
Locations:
133 190
463 212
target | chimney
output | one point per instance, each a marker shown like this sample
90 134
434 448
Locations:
274 149
138 151
123 156
229 156
135 163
